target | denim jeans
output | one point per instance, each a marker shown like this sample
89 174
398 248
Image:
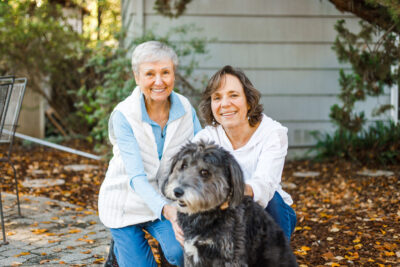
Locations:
131 247
282 213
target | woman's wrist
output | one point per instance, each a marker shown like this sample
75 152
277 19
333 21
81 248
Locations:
169 212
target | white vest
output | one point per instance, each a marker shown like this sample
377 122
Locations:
119 205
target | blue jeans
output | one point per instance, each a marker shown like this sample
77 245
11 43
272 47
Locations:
282 213
131 247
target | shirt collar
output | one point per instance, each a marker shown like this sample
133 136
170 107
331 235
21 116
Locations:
176 111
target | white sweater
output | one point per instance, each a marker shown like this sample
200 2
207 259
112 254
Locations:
261 159
119 205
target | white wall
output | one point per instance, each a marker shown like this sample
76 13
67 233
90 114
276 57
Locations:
284 46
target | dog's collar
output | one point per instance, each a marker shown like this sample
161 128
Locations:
225 204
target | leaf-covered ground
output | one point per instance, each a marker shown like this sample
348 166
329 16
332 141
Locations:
344 219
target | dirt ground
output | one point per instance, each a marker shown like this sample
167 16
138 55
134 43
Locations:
344 219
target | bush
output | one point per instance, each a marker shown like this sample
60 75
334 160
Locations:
379 144
37 42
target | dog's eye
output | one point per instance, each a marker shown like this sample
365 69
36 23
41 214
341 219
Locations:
183 166
204 173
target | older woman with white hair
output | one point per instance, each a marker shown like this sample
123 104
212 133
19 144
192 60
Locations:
146 130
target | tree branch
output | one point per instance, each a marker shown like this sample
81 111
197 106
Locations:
378 15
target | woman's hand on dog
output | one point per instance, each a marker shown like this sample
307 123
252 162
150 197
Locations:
170 213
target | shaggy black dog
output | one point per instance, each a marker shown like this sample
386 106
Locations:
220 225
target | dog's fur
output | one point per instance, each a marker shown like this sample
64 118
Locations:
202 178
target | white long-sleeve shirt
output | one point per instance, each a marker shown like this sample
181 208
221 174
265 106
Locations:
261 159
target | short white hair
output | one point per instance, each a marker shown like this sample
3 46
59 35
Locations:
152 51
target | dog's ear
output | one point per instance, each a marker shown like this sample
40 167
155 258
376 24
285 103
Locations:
236 179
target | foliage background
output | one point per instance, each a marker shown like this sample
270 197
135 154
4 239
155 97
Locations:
83 75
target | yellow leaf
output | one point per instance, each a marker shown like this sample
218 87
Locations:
304 248
74 231
356 240
99 260
383 232
358 246
307 228
39 231
43 253
54 218
389 253
86 252
22 254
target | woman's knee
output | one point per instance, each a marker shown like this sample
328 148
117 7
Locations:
174 254
131 247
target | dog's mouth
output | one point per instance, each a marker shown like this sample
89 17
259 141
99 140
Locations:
181 204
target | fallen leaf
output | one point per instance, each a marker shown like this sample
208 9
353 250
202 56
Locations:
39 231
74 231
99 260
22 254
328 256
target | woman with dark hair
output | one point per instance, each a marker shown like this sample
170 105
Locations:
231 110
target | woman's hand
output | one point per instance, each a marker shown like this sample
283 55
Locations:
248 191
170 213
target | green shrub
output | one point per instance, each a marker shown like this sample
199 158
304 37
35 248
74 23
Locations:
37 42
378 144
371 53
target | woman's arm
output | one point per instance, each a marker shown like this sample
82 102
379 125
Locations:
267 176
196 122
130 154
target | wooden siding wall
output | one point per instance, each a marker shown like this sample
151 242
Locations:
284 46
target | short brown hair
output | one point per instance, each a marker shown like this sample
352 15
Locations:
252 96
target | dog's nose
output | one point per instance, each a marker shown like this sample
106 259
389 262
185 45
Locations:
178 192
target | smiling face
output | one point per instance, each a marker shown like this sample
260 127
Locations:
229 104
156 80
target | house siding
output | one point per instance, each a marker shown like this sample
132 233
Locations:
284 46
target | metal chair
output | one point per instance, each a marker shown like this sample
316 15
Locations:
6 85
10 125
